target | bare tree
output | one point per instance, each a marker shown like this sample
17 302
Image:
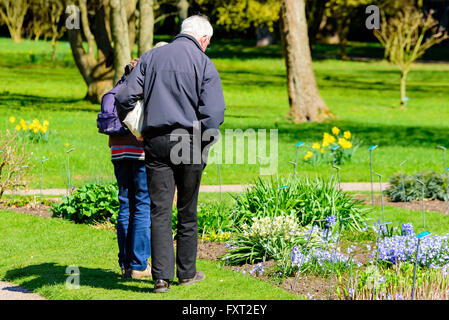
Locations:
406 37
14 159
12 13
122 51
305 100
55 9
39 23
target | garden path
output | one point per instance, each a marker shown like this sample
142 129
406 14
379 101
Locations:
9 291
346 186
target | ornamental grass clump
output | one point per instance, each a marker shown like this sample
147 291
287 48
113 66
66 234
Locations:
309 199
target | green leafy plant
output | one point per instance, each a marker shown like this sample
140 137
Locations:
309 200
214 221
90 204
404 187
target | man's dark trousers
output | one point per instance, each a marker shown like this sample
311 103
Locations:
163 175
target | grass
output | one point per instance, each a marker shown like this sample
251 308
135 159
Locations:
436 223
363 95
37 251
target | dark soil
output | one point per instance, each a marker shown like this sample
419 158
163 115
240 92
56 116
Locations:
429 205
29 208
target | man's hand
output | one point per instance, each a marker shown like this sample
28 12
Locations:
139 139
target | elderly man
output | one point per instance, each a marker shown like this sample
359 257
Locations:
181 92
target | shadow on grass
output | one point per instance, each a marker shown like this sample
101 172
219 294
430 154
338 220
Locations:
51 273
48 103
381 134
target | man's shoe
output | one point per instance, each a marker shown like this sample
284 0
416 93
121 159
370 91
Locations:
126 273
161 286
135 274
199 276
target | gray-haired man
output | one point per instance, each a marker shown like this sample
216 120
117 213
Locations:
181 91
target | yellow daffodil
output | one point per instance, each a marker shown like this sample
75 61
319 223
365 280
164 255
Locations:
316 145
46 123
22 122
347 135
322 150
12 119
308 155
44 129
36 120
66 144
24 126
335 131
328 139
18 127
345 144
36 130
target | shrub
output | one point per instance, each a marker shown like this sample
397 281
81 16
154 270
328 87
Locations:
309 200
412 189
14 162
92 203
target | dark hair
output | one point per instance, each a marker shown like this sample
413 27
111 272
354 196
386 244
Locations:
128 68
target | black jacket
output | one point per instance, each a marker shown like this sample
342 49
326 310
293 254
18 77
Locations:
179 85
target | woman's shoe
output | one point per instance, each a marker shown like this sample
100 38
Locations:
136 274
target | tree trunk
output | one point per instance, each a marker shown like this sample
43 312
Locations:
12 13
97 72
146 26
306 104
183 10
403 89
343 30
122 52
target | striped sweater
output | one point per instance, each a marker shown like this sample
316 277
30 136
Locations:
127 152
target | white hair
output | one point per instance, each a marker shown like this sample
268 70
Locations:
198 26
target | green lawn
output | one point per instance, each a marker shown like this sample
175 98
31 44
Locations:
36 252
436 223
363 95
